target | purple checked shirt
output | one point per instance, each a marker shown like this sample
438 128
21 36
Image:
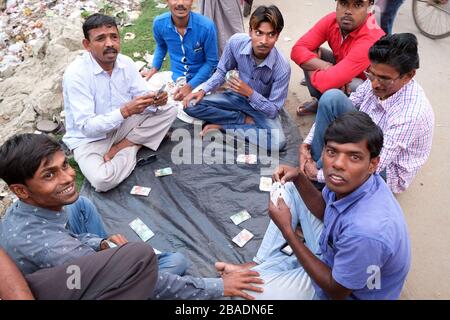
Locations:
407 121
269 80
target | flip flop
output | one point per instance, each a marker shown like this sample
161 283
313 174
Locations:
307 108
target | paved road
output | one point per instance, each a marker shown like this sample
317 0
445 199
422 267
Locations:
426 206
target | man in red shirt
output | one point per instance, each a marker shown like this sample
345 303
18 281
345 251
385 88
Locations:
350 32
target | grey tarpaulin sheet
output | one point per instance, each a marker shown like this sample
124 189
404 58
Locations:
190 210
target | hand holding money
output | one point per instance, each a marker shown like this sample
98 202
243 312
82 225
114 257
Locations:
117 239
237 85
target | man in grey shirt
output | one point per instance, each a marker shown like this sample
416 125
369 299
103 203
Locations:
51 225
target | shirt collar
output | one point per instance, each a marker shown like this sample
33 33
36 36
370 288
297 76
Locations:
269 61
40 212
385 104
98 69
343 204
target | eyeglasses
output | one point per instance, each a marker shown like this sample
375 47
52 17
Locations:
384 82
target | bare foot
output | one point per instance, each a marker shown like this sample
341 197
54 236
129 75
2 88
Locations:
125 143
210 127
249 120
223 267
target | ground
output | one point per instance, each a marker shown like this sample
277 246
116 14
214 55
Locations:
425 205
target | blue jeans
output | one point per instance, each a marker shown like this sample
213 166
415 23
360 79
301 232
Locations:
389 10
229 109
284 277
84 218
332 104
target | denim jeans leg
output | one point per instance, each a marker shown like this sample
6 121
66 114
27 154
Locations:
83 217
388 15
332 104
172 262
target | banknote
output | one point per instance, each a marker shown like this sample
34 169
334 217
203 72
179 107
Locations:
232 73
243 237
163 172
141 229
247 158
265 184
140 191
240 217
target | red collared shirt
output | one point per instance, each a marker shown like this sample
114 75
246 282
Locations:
351 54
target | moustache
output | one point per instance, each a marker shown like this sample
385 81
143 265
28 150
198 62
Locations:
262 47
110 50
180 7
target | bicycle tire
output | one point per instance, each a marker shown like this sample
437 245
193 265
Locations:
415 11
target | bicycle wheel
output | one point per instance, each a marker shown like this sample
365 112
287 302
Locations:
432 17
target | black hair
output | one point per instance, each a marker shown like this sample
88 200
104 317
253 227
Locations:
354 127
22 154
97 20
396 50
371 2
270 14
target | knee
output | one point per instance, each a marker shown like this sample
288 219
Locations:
102 184
175 263
333 100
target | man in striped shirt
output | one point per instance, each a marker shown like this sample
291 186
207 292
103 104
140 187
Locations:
395 102
254 96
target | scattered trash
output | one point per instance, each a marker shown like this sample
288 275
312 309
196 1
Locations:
161 5
129 36
148 58
136 54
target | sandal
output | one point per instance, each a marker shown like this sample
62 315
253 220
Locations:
308 108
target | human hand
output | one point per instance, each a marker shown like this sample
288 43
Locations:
147 74
239 86
118 239
285 173
305 155
161 99
137 105
182 92
311 170
281 216
235 282
193 96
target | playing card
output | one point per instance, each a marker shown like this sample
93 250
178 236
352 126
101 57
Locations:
265 184
111 244
232 73
141 229
243 237
247 158
240 217
140 191
163 172
277 191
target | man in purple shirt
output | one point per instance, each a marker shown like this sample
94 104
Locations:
254 96
351 241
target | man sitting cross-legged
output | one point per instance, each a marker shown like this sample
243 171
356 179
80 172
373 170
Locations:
51 225
249 108
351 241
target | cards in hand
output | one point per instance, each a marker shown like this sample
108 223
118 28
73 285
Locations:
243 237
265 184
140 191
240 217
163 172
277 191
110 244
141 229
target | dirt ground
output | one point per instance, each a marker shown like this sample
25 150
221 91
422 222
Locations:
425 205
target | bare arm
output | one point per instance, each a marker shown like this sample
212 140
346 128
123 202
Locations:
12 283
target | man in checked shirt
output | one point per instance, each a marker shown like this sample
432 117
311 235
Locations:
394 101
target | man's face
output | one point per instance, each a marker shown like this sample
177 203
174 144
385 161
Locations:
386 80
263 39
351 14
180 9
52 186
104 45
347 166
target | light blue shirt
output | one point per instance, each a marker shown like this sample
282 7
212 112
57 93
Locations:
269 80
193 55
93 98
365 242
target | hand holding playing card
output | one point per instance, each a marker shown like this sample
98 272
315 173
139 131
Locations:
284 174
281 216
117 239
239 86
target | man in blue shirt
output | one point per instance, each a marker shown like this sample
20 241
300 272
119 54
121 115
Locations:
351 241
50 226
191 40
249 108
